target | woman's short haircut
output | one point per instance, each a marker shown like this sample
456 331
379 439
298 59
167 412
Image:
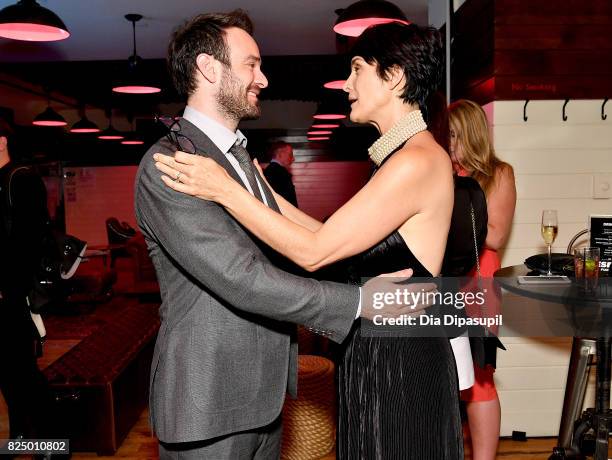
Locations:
416 50
203 34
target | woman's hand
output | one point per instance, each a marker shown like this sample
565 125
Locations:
194 175
263 176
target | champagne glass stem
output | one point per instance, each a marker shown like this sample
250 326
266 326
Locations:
549 260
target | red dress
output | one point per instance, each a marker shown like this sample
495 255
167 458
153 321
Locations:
484 386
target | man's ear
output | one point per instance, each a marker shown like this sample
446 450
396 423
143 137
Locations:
3 143
207 65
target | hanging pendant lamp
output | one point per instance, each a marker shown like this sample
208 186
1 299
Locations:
135 81
49 117
27 20
333 107
84 125
354 19
110 133
132 139
319 133
335 84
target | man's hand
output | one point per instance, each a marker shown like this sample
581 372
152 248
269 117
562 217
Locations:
390 296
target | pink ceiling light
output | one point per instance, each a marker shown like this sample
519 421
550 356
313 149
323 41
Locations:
49 117
137 89
335 84
84 126
354 19
27 20
318 133
135 81
111 134
325 125
329 116
319 138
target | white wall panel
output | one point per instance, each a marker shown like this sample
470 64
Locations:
554 163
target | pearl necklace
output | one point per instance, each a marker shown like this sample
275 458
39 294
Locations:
404 129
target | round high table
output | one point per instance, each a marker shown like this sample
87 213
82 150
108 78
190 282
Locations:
599 419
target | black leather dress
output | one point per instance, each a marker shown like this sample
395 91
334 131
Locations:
398 396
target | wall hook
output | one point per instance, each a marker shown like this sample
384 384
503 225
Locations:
525 110
603 114
563 114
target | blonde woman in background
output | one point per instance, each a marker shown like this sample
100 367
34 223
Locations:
473 155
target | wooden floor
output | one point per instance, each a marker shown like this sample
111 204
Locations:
140 444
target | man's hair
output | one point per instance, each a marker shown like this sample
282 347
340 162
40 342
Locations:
277 147
415 50
203 34
5 129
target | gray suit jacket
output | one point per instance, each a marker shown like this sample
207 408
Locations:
224 356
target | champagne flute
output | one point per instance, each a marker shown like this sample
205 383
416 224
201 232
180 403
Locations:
550 227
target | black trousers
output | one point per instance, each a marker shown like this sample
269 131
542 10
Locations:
23 385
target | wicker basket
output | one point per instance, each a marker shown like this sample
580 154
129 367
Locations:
309 422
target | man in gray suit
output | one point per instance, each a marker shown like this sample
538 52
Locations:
225 353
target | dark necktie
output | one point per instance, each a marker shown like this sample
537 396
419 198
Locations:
244 160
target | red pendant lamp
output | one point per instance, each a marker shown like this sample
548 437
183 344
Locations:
27 20
132 140
328 116
354 19
84 125
335 84
334 106
319 133
135 81
110 133
49 117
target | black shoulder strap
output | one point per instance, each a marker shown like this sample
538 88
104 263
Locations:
7 197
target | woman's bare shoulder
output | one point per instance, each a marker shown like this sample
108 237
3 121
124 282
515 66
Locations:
504 174
426 157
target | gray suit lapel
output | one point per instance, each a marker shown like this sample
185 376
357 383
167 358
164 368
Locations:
206 148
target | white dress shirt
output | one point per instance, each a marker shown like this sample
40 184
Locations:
224 139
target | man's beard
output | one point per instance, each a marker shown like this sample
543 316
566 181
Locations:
232 98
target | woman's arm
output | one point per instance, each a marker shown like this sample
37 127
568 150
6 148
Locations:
382 206
296 215
287 209
500 206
